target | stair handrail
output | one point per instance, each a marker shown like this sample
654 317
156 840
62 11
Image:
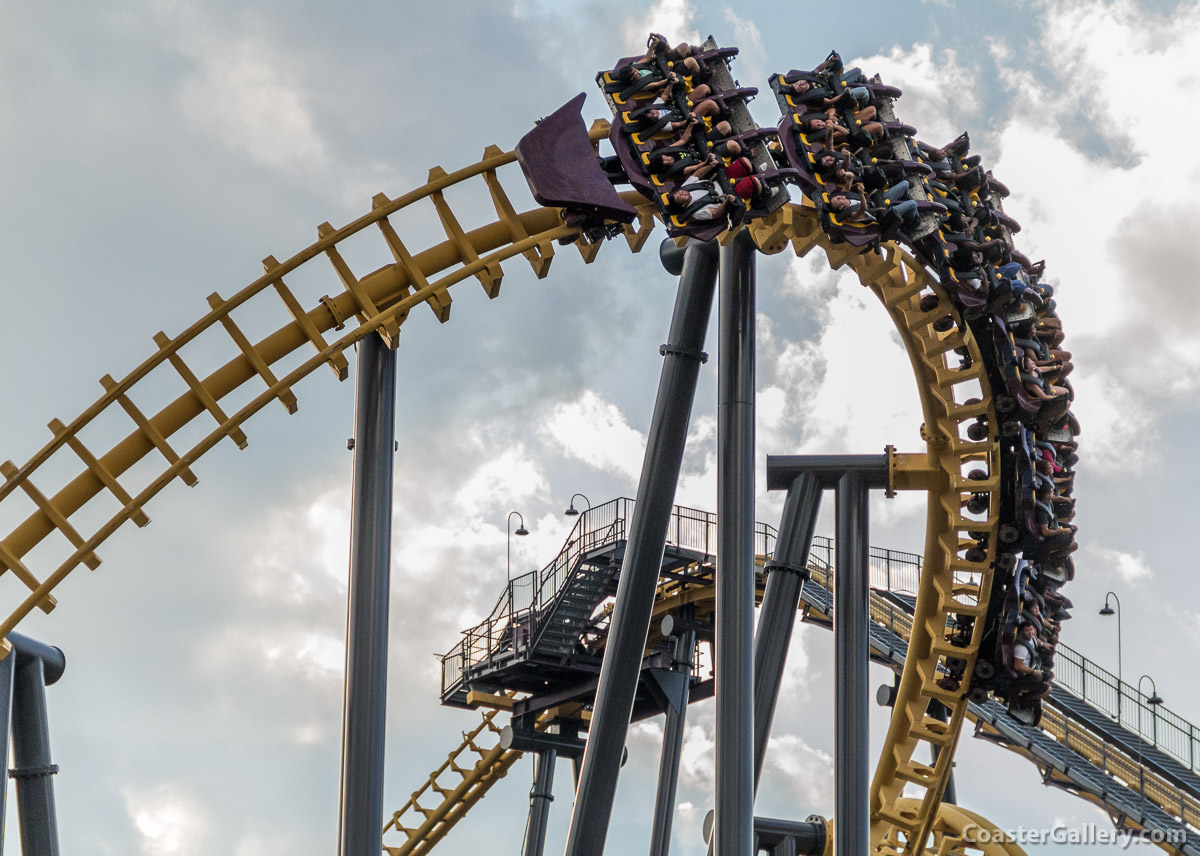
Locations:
528 593
529 596
1157 725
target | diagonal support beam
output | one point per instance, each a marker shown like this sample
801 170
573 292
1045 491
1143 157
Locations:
634 606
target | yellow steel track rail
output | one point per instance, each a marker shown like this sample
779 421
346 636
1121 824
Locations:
432 823
380 302
950 584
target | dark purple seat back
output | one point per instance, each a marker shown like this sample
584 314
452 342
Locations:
561 167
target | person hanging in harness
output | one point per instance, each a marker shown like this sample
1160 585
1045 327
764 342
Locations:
1031 681
698 199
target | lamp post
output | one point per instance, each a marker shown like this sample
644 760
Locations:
1154 700
521 530
573 511
1108 610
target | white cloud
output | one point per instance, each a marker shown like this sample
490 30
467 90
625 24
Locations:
670 18
939 91
169 821
300 551
851 387
243 94
596 432
315 656
804 773
309 733
504 477
1121 264
1128 567
751 58
1118 423
697 760
698 479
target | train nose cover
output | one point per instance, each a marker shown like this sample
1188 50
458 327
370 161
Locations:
561 166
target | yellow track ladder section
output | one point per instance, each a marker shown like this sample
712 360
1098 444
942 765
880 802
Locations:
376 302
457 796
950 584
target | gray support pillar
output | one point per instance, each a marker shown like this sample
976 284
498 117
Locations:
851 646
539 802
734 648
786 572
30 668
621 669
6 696
365 706
672 747
32 767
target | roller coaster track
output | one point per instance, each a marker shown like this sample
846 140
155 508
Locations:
1075 746
473 783
381 301
950 583
1078 746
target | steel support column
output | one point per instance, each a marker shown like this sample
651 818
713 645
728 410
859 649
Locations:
7 665
851 646
365 706
786 572
35 665
853 476
735 577
621 668
672 746
539 802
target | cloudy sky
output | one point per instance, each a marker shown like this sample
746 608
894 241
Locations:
155 152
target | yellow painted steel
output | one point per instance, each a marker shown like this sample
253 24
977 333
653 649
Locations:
380 302
432 824
955 832
391 292
950 584
1118 764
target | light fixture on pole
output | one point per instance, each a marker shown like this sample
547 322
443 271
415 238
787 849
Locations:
573 511
1108 610
1154 700
521 530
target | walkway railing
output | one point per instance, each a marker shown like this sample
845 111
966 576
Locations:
900 572
1159 726
529 599
892 570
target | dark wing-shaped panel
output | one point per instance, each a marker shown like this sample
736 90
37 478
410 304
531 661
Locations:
562 168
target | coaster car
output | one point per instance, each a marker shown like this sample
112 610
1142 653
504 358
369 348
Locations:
698 124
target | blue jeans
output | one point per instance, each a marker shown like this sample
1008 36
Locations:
904 207
906 210
897 192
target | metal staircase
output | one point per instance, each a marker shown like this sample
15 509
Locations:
543 629
423 826
568 618
1098 738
